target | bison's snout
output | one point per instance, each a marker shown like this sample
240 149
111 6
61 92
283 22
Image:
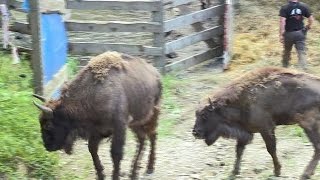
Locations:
197 133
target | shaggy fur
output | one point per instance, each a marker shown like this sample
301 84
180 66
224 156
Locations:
258 102
113 92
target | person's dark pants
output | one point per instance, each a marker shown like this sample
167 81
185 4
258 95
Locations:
296 38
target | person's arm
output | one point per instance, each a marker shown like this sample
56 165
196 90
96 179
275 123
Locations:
310 22
282 28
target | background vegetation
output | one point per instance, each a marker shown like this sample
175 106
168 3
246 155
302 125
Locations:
21 150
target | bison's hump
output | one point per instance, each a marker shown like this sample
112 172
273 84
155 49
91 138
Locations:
100 65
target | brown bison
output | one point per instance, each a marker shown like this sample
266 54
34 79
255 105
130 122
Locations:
257 103
112 92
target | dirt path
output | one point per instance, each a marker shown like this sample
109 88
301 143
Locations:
180 156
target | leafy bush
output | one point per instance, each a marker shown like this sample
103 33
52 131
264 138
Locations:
21 150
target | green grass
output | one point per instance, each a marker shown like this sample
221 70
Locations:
21 150
170 110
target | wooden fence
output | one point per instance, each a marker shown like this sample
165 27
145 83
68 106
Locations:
157 25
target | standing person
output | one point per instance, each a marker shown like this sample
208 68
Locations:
293 31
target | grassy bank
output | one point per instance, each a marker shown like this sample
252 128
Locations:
21 151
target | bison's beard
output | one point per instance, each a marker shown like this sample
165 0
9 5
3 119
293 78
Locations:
211 138
68 145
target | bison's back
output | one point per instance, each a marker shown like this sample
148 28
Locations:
283 97
116 83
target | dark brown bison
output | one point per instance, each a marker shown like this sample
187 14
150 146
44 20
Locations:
112 92
257 103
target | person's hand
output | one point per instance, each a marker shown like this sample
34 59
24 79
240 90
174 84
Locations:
308 27
281 39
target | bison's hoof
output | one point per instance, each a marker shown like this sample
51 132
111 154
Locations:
235 172
305 176
150 171
277 173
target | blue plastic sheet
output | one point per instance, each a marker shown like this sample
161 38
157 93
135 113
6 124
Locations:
54 44
25 6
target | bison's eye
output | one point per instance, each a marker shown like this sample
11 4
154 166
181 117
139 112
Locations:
47 126
204 116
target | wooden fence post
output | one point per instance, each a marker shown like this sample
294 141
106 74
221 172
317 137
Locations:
186 9
158 38
228 34
36 56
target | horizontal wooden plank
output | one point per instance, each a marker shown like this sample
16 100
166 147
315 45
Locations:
13 4
194 60
192 18
20 27
174 3
83 48
142 5
114 26
193 38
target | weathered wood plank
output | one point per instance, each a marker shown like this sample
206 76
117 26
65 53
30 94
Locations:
159 39
192 18
194 60
174 3
84 48
115 26
36 55
13 4
20 27
142 5
193 38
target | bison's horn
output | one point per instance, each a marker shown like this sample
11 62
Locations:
41 98
45 109
211 103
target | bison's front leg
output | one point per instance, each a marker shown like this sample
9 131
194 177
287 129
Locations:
239 151
270 140
93 149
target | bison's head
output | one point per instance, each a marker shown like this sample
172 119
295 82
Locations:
208 120
55 128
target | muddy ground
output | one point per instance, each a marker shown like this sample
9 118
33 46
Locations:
179 155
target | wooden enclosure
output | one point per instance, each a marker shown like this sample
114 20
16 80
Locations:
158 25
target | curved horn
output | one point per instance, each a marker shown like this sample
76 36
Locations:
41 98
44 109
210 102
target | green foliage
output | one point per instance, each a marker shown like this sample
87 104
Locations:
170 109
21 150
72 65
315 6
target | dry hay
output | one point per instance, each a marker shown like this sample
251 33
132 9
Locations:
103 63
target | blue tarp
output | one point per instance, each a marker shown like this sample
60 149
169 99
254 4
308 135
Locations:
54 44
25 6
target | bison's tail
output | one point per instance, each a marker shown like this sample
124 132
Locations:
159 94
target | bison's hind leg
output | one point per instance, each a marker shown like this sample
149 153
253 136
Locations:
141 136
310 122
152 135
314 137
